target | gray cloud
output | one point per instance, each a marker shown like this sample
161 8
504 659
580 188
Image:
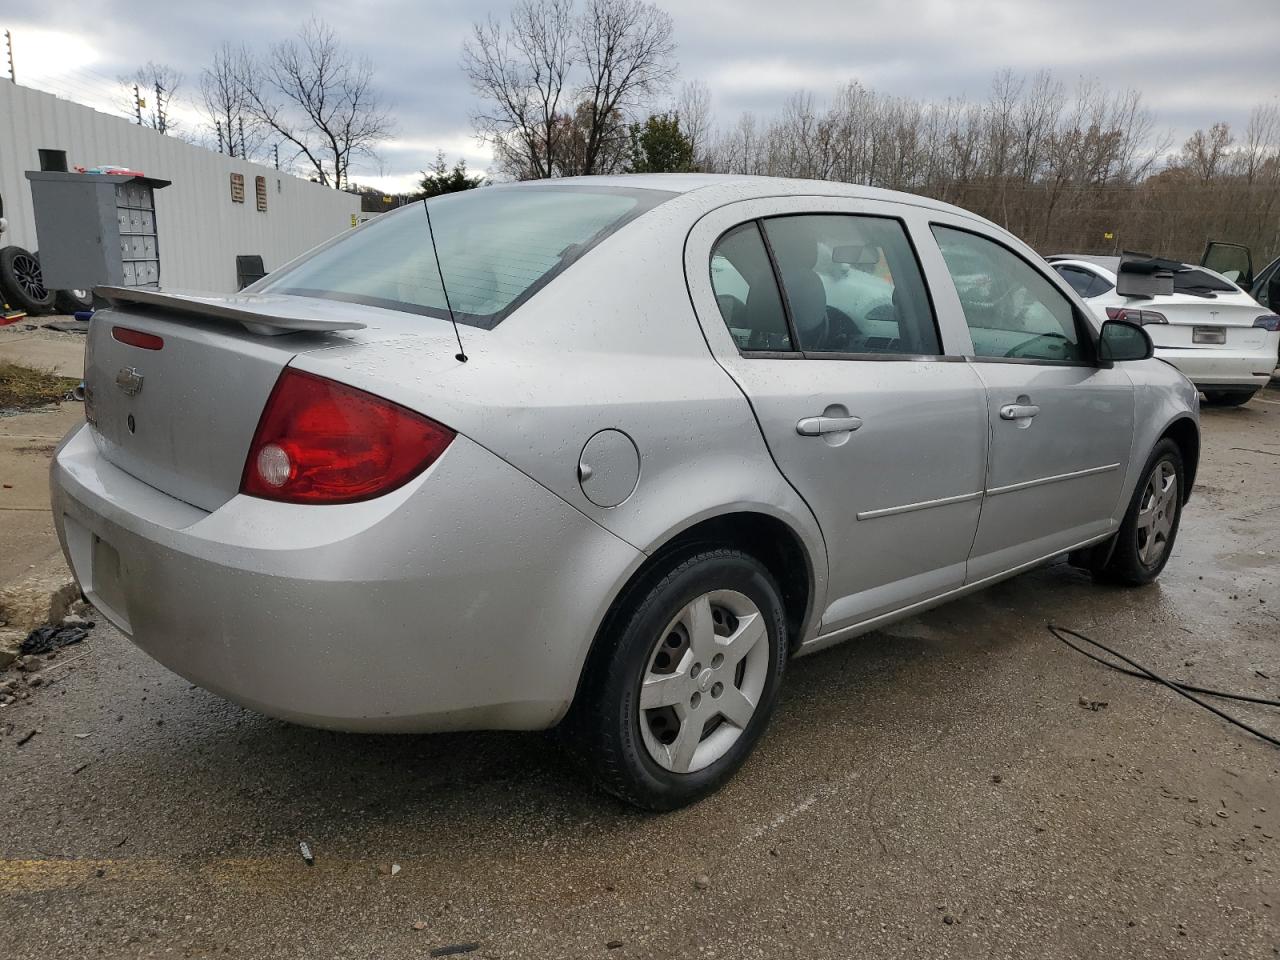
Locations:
1195 63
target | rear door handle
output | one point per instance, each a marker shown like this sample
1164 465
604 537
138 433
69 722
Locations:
817 426
1018 411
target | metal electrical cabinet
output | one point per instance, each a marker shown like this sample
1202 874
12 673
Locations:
96 229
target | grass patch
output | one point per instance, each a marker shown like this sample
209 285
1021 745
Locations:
24 387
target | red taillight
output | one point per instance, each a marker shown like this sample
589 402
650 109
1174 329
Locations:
136 338
1140 317
1271 323
323 442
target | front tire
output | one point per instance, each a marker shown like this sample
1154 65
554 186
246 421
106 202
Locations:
1150 525
683 681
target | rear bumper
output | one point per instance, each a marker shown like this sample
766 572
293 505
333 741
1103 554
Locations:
466 599
1222 368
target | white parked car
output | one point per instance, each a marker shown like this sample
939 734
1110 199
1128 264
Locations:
1221 339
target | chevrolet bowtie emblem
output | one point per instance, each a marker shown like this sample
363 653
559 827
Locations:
129 380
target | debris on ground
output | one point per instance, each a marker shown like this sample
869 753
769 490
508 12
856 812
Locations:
45 639
1094 705
305 849
455 949
22 741
24 387
41 599
701 881
419 924
68 326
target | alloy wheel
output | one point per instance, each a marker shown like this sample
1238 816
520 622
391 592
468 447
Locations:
1157 512
704 678
27 275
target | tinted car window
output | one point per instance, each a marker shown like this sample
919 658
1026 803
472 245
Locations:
852 284
497 247
747 292
1011 309
1100 286
1081 280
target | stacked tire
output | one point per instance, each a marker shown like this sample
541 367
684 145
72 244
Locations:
22 285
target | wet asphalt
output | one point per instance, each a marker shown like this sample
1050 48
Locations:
939 789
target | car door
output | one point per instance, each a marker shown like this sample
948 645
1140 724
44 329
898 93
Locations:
1061 424
818 310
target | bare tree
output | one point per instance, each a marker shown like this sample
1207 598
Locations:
1261 141
313 94
146 94
225 103
627 53
1205 151
521 72
557 89
693 110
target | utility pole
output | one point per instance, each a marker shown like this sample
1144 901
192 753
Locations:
218 124
137 104
159 107
242 150
275 148
8 43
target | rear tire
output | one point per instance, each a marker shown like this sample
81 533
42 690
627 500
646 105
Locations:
705 636
1228 398
22 282
1150 525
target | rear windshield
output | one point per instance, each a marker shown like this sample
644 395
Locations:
497 246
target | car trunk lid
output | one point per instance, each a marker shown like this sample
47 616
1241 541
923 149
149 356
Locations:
175 385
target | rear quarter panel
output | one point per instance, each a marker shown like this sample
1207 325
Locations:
612 343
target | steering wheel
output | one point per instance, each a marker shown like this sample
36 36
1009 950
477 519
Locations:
1042 347
842 331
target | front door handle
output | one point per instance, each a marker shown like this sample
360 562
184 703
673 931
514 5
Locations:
1018 411
817 426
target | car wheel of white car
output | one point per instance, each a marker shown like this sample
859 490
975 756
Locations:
1224 398
1150 525
674 703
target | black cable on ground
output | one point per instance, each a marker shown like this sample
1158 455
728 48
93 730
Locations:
1183 689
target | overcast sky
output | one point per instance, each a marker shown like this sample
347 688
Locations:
1195 62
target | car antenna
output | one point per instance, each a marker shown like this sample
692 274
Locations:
461 355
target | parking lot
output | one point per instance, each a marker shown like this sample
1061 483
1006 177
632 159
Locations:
960 785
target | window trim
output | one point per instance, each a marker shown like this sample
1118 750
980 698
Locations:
800 354
1084 329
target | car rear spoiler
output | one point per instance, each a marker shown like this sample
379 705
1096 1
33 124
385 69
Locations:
258 313
1144 276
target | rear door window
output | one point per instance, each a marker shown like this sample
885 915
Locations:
1081 281
852 285
497 247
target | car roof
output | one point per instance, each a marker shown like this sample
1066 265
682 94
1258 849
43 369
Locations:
718 188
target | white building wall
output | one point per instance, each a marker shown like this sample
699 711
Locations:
200 229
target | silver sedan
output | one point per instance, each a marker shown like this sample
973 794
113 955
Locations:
605 454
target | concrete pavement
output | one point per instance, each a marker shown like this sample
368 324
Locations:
930 791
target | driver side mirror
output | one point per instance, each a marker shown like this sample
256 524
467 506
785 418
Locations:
1273 292
1122 340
